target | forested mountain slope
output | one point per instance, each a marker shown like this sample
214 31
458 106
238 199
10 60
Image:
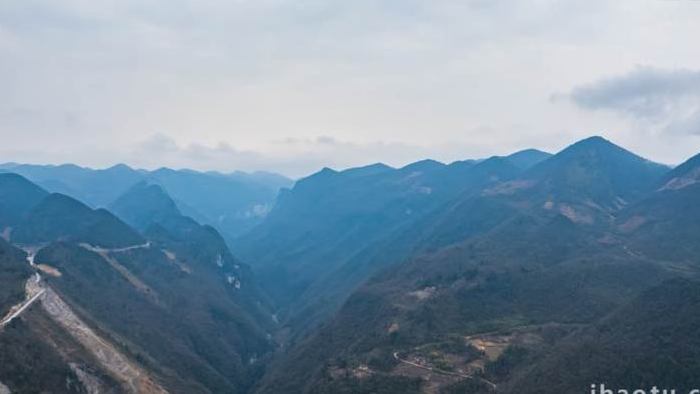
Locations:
557 261
334 229
108 308
481 276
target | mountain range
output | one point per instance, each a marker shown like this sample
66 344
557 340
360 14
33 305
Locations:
160 306
233 203
504 275
526 273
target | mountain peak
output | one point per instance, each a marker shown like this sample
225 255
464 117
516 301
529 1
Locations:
597 169
119 167
327 170
150 187
60 217
371 169
423 165
596 148
324 173
527 158
529 151
144 204
686 174
593 143
688 165
594 139
17 196
7 177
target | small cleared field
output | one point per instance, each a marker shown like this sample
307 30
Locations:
475 358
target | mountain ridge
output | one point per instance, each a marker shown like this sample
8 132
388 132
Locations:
500 273
248 195
126 311
548 251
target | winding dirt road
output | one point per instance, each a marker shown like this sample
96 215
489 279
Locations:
21 309
132 376
33 291
99 249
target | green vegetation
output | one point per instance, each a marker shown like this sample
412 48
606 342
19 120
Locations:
582 266
467 386
59 217
29 365
188 328
653 340
453 344
14 272
333 230
36 357
499 261
376 384
512 357
194 317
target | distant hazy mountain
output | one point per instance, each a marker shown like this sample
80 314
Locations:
34 216
59 217
145 204
527 158
94 187
233 203
17 197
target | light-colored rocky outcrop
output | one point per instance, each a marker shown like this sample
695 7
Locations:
133 377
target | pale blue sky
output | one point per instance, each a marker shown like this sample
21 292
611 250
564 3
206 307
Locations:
292 86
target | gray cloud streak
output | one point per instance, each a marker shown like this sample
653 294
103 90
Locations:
644 92
668 98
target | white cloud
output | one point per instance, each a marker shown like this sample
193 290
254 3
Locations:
391 80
